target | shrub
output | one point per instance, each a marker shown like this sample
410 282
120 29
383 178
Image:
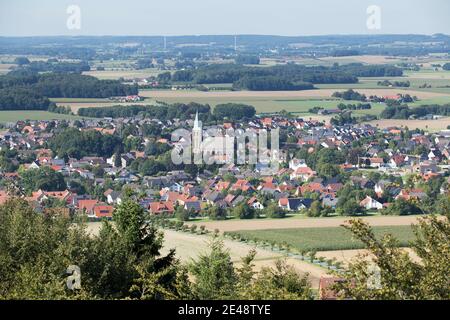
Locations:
193 228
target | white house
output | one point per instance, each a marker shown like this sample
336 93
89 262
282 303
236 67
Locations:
294 164
369 203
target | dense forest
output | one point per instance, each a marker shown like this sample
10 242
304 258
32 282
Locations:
22 99
161 112
76 144
233 111
247 59
28 90
282 77
270 83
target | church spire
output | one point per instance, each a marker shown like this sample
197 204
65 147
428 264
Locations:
196 125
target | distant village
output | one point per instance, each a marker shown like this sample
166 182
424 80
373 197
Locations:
322 169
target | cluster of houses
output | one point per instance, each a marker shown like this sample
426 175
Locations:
290 187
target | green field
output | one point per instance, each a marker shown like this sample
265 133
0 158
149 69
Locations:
323 239
14 116
79 100
269 105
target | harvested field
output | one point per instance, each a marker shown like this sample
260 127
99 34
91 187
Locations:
235 225
75 106
318 93
345 256
5 67
367 59
126 73
189 246
431 125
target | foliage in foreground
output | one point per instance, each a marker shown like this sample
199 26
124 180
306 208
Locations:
401 276
122 262
36 250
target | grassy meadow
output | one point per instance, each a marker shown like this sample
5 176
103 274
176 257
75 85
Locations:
14 116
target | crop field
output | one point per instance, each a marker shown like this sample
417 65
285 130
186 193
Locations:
322 239
79 100
122 73
366 59
5 67
328 61
14 116
75 106
305 94
429 125
292 101
346 256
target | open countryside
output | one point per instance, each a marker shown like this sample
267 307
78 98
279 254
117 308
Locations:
359 178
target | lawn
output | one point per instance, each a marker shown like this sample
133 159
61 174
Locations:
14 116
321 239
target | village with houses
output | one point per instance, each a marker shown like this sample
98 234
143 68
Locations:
324 170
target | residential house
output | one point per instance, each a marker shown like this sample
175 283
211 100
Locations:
370 204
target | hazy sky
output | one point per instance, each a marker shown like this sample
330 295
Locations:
191 17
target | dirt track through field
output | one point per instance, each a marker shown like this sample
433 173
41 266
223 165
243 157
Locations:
235 225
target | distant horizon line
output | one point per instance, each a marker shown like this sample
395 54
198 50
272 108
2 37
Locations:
228 35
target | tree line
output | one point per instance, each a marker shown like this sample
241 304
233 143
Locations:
28 90
285 77
406 112
76 144
53 65
166 112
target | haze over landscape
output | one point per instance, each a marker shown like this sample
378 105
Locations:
180 17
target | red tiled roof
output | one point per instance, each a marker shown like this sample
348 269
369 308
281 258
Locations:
88 205
101 211
160 207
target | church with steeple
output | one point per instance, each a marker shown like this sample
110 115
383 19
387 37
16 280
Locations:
197 136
